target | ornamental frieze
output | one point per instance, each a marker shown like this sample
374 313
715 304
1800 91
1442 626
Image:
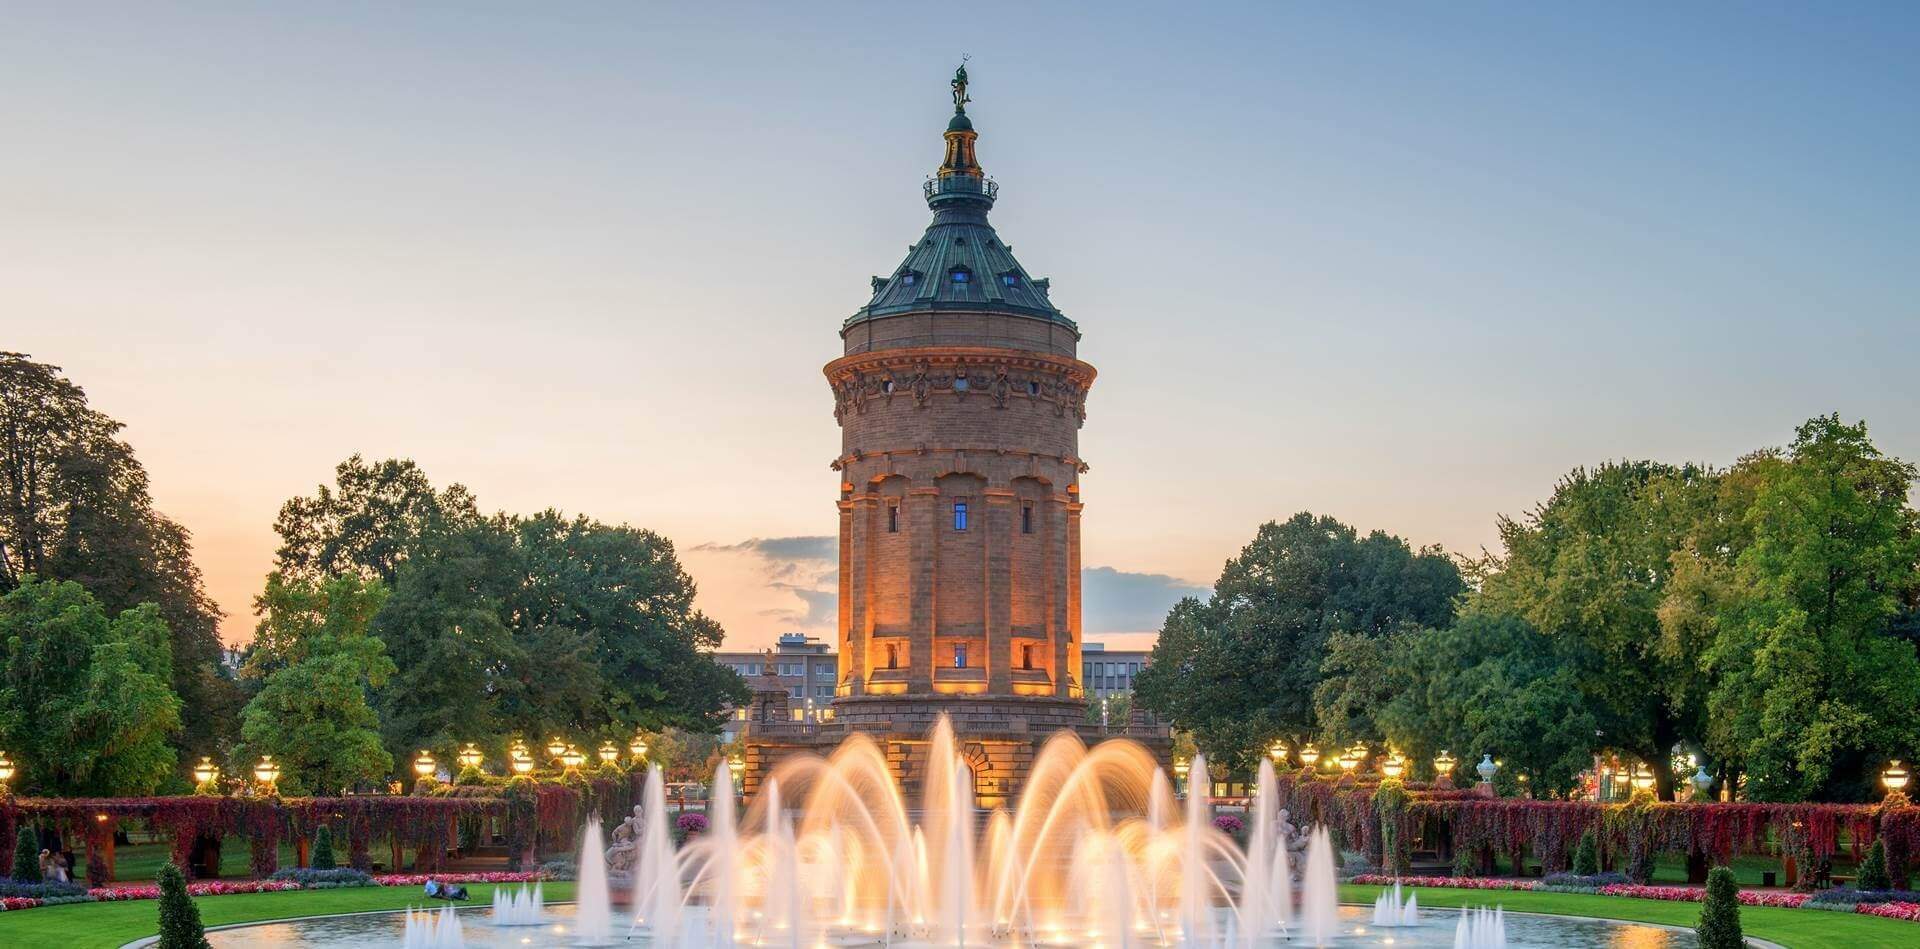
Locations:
999 377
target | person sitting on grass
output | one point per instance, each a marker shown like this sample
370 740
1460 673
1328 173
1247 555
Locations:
437 890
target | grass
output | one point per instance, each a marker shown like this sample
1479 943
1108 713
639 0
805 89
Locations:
1793 928
107 925
134 863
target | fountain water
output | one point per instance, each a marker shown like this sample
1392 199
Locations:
1389 911
429 930
1319 896
656 878
519 908
1481 929
593 914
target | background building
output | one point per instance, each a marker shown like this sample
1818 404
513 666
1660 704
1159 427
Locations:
1110 671
805 666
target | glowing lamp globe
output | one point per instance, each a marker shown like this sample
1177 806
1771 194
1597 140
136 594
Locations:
1895 777
1444 763
638 746
6 769
424 765
266 772
572 758
556 747
521 764
1394 766
518 749
470 756
1278 752
738 766
609 752
1309 755
1642 776
206 772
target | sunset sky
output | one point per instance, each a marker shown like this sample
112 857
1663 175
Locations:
1404 264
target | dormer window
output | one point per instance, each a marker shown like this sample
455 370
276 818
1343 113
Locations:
1010 279
961 275
907 279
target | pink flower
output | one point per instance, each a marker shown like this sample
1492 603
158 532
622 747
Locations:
1458 883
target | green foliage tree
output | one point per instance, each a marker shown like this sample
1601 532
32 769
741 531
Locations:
1493 685
1720 913
1586 857
323 848
84 699
74 505
26 855
1589 568
313 714
1873 870
1241 668
367 522
1813 684
180 926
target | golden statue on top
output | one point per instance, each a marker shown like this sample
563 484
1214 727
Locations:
960 99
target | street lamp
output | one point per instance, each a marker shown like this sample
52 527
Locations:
206 772
518 749
572 758
638 746
6 769
1278 752
1702 782
1895 777
1642 776
1486 769
738 766
1393 766
266 772
470 756
609 752
424 765
1309 755
1443 764
521 764
556 747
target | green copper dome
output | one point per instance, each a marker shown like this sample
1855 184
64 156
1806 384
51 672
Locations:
960 263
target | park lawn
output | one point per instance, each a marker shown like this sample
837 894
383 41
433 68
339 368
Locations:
1793 928
107 925
137 863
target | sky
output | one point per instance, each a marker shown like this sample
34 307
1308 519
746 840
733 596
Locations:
1403 264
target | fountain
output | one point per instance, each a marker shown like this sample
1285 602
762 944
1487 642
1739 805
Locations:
593 917
1390 912
1481 929
522 908
430 930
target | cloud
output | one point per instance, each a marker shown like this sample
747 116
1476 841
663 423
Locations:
782 548
1118 601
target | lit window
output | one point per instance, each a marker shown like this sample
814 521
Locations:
960 384
1010 279
961 275
959 655
907 279
893 656
1026 518
893 518
1026 657
959 515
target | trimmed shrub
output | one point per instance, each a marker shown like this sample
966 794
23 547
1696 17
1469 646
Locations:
1873 870
323 849
317 878
1720 913
180 926
1586 857
560 868
40 891
26 856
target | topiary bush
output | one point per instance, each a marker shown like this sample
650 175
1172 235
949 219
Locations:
180 926
323 849
324 879
1873 870
26 856
1586 857
1720 913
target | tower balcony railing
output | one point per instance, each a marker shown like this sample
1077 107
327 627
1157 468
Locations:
961 184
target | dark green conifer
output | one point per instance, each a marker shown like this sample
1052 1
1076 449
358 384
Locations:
323 849
1586 857
26 856
180 926
1873 870
1720 914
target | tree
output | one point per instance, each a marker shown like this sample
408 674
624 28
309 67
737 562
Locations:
312 715
295 612
323 848
180 926
84 699
1720 913
26 855
366 523
1590 568
1814 684
1359 676
1241 669
1493 685
74 505
1586 857
1873 870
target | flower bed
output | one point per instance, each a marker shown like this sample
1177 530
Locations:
1685 894
420 879
1907 911
230 887
1897 909
1458 883
103 894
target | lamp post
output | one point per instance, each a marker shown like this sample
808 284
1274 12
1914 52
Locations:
1278 752
424 765
1309 755
470 757
1180 768
1895 778
205 774
609 752
1394 766
738 766
1642 777
638 747
556 747
1702 783
1486 769
572 758
520 764
268 774
1443 765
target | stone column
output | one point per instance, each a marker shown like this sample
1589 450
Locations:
1074 638
853 610
998 546
923 506
1059 590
